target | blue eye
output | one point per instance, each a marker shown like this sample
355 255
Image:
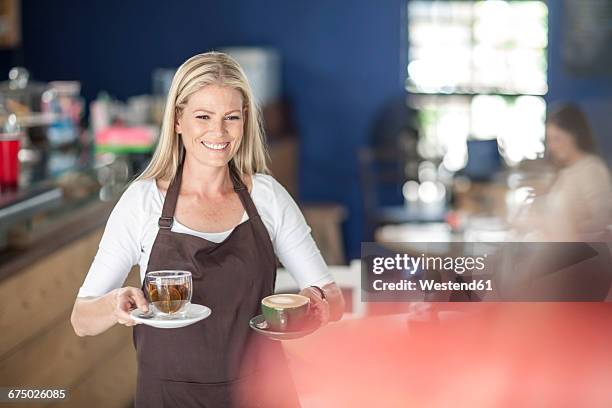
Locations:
203 117
234 117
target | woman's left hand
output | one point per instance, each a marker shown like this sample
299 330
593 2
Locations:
319 307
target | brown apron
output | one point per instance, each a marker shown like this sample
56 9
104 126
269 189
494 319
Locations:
219 361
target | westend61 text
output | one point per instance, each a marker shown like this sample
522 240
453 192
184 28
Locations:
431 285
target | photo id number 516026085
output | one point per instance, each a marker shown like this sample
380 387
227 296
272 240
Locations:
12 394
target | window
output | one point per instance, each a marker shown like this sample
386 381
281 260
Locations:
477 70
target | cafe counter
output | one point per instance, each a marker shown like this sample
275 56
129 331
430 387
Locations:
50 234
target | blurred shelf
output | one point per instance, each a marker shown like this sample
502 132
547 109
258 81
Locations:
22 204
36 119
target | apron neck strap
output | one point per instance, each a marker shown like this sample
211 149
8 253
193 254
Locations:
167 216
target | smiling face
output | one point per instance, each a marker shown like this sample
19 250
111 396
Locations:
211 125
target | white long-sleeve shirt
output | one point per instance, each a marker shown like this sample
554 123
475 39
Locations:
580 199
132 227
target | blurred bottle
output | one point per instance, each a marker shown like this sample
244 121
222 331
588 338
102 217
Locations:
10 143
100 117
64 103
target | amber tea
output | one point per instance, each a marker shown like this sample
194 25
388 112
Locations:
169 291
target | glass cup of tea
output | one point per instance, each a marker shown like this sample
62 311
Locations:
169 293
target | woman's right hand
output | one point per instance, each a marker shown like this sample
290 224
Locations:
125 300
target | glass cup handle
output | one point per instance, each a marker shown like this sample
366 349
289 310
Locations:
147 296
145 291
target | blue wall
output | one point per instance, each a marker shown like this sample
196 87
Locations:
592 94
341 61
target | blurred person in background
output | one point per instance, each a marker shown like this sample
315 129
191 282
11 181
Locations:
577 205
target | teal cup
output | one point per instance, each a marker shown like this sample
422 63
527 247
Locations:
285 312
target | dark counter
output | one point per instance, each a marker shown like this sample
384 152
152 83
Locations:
49 212
62 231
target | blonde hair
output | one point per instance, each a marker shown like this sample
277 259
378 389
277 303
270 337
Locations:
198 71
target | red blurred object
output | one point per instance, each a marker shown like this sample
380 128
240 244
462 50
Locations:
477 355
9 162
453 220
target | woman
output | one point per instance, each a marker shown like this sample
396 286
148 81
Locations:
208 173
577 206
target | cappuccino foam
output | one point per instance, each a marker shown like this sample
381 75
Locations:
285 301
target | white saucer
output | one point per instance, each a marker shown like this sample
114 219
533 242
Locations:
194 314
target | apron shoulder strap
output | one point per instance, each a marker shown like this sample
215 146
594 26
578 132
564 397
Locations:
167 216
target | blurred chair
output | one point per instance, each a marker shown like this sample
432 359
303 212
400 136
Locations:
383 172
389 160
325 220
283 163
